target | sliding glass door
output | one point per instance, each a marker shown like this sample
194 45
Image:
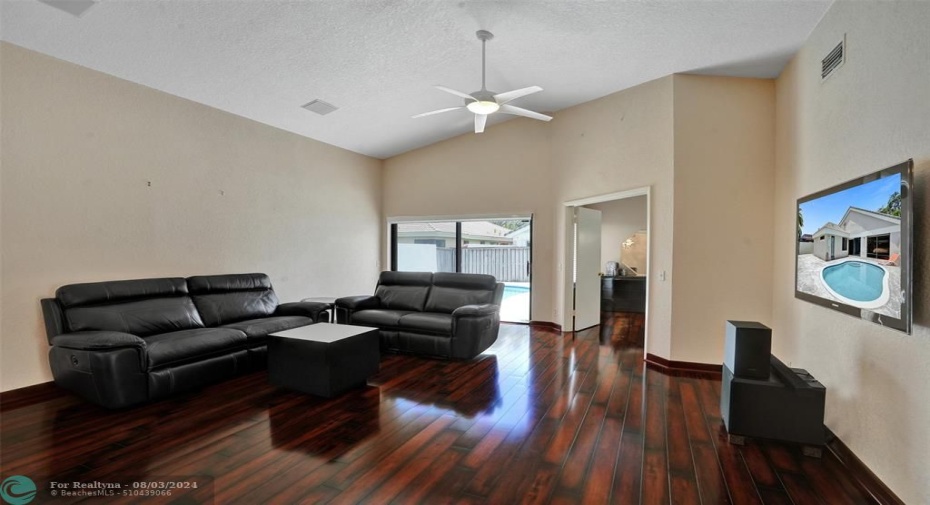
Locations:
879 246
509 262
498 247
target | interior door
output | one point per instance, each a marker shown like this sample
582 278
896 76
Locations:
587 266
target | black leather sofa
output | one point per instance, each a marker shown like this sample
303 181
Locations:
447 315
121 343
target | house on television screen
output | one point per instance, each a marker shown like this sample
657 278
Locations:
862 233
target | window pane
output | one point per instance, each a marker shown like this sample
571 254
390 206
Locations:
498 247
879 247
501 248
426 247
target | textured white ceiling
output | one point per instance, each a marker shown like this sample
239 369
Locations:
377 60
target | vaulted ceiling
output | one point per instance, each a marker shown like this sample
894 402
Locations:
377 60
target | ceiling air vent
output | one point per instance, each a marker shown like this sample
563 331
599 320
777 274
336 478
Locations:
320 107
833 60
73 7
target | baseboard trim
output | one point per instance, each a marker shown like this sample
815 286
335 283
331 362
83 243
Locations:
860 472
683 368
16 398
546 324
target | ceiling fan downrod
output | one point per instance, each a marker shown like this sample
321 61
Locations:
484 36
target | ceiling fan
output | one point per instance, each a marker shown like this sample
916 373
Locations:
483 103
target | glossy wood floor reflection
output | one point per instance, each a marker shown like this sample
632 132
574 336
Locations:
541 418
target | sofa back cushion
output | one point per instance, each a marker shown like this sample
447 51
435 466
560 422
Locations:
403 290
141 307
223 299
451 291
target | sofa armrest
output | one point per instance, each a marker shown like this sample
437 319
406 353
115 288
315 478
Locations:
109 368
313 310
102 341
98 340
348 305
362 302
487 309
474 329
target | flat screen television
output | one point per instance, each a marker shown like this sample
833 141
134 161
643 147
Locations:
854 247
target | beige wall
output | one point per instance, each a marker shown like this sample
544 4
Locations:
724 177
79 149
707 141
502 172
620 219
704 145
872 113
616 143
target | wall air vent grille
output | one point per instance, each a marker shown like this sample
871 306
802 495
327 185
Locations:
320 107
833 60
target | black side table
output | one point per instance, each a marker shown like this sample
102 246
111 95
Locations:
329 300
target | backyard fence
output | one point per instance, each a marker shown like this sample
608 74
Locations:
507 264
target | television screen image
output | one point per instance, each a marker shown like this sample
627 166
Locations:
854 247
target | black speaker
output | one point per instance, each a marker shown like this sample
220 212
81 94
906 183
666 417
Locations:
747 349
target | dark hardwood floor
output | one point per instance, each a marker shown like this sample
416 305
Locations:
540 418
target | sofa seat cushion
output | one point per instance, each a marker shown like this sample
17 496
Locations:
191 345
379 317
261 328
430 322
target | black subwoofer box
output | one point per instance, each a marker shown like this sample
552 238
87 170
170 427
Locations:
787 405
747 349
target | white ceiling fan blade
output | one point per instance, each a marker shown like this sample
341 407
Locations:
440 111
455 92
505 97
517 111
480 120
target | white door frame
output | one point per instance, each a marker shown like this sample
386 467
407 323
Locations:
569 247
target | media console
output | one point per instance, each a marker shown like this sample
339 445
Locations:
785 404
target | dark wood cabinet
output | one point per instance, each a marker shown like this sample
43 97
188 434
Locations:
623 294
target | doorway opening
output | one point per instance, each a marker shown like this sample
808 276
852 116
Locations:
501 247
607 244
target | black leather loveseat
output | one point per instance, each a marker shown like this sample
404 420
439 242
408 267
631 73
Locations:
120 343
447 315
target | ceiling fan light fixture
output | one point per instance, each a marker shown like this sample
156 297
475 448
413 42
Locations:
483 107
